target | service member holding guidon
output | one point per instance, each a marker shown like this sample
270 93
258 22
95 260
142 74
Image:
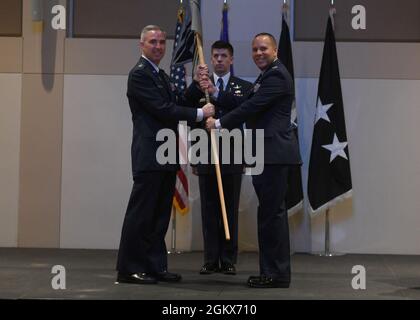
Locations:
267 107
155 105
220 254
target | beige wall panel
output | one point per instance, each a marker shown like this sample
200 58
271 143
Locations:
40 162
96 178
11 55
357 60
106 56
43 47
361 60
10 101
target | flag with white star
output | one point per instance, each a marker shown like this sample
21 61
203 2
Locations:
329 178
177 76
294 195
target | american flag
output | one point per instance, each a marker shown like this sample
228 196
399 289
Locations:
177 75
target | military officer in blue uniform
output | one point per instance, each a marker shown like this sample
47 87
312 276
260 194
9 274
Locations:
220 254
155 105
268 107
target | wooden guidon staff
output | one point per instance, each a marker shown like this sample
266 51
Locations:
214 148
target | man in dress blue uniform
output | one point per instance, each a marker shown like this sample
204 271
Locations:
268 107
155 105
220 254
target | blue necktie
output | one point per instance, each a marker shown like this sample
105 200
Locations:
220 84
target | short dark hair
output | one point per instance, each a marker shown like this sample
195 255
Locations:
219 44
273 40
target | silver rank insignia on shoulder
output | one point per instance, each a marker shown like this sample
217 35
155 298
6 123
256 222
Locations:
275 67
236 89
256 87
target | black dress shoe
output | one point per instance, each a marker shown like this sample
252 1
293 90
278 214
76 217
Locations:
209 268
136 278
228 268
267 282
166 276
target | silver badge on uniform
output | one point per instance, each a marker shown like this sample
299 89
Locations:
237 89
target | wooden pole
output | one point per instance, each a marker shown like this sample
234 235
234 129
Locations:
214 149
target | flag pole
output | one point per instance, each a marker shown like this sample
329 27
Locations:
285 9
214 148
327 234
333 11
327 252
173 233
173 249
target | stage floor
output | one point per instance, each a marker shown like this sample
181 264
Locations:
90 274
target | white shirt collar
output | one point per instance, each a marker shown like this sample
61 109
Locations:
153 65
225 78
